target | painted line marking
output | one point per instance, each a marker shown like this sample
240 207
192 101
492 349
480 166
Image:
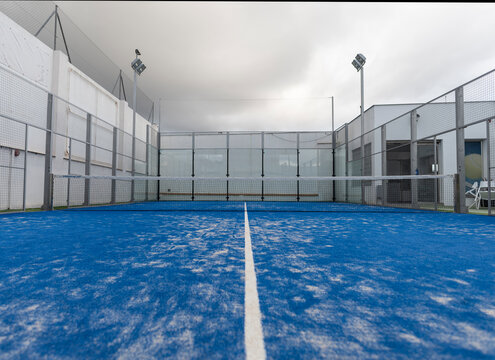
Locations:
253 331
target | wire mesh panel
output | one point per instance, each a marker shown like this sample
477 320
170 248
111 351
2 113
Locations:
479 99
436 117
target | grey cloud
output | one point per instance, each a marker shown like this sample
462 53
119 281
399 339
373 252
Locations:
288 50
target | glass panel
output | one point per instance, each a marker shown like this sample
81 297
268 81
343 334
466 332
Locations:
281 140
210 163
176 141
315 140
245 162
315 162
245 141
176 163
281 162
210 141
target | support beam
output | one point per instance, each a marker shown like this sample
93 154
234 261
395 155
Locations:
87 163
435 172
461 153
193 146
488 163
346 162
384 163
334 140
114 163
47 194
228 173
414 157
158 144
298 169
25 168
147 160
69 171
262 166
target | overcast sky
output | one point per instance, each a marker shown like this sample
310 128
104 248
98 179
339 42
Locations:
273 66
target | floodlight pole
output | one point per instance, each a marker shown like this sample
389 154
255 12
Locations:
133 166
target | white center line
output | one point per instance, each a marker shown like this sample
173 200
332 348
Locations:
253 332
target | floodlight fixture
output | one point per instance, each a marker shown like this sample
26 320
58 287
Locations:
140 69
136 63
356 65
137 52
361 59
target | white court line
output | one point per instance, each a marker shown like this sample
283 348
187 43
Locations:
253 332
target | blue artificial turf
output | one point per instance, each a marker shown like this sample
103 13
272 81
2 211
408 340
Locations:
339 281
376 285
94 285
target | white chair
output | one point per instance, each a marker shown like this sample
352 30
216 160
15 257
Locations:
483 191
475 192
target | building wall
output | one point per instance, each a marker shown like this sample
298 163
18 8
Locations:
29 70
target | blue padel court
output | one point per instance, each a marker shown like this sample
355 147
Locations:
170 279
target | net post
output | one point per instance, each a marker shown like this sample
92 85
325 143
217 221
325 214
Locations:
459 121
25 168
51 181
298 152
227 153
435 183
384 163
87 164
48 155
69 171
414 158
457 199
193 146
262 166
488 160
114 163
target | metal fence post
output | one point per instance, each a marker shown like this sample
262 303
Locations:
192 167
414 158
25 168
159 145
457 199
435 164
47 191
87 164
262 166
114 163
147 160
227 150
488 149
384 164
133 164
334 139
346 162
69 170
459 121
297 174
